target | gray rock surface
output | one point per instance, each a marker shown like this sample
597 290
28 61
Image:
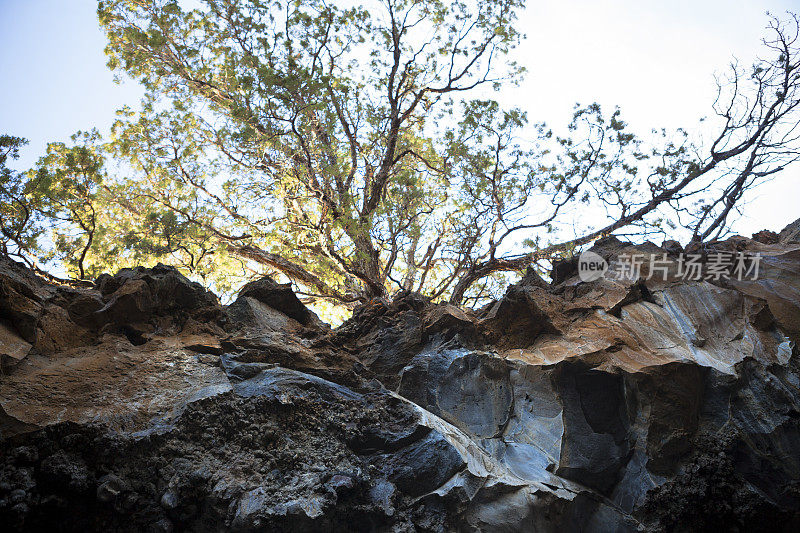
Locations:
616 405
790 233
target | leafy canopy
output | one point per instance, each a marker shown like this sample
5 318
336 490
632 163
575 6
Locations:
353 149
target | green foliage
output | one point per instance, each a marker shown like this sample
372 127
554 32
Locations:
341 147
65 189
17 218
303 129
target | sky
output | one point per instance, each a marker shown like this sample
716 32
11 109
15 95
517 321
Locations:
654 59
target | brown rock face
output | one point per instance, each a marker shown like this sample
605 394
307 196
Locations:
13 348
281 298
790 233
629 403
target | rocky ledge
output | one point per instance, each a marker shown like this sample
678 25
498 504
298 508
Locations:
630 404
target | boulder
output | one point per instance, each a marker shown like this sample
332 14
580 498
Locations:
146 295
21 297
766 236
281 298
13 348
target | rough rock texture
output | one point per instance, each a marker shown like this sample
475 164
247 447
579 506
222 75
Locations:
618 405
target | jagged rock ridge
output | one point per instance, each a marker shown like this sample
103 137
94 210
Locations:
615 405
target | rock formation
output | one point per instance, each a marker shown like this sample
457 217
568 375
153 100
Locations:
633 404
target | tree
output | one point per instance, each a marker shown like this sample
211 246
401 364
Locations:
65 214
16 215
353 150
51 212
318 115
64 189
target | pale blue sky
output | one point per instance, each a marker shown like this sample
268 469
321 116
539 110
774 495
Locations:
53 72
654 59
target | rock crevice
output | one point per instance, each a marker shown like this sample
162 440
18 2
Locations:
616 405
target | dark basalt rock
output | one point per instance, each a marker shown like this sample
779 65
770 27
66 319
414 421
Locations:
766 237
617 405
281 298
21 297
518 318
564 269
672 247
144 294
287 433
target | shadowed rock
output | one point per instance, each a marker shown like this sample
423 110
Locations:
634 404
280 297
